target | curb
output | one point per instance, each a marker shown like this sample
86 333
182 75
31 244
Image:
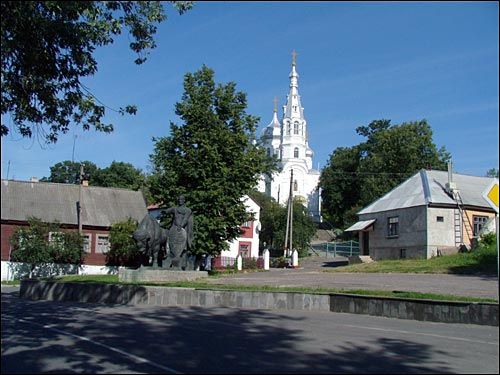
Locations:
391 307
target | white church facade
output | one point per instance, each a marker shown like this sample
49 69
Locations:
288 140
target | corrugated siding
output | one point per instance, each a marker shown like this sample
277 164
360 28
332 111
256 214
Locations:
57 202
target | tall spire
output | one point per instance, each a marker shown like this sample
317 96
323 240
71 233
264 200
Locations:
294 56
275 104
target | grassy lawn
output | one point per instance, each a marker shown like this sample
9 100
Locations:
480 261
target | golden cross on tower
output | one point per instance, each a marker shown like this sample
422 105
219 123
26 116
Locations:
294 57
275 104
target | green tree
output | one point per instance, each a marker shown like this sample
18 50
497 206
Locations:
493 172
273 217
303 228
270 217
358 175
31 245
210 159
123 250
48 47
69 172
120 174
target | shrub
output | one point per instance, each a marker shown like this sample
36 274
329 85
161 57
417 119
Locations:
123 249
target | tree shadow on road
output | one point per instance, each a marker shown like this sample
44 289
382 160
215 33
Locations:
188 339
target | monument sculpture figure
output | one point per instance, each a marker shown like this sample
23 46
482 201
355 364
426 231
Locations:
180 238
150 238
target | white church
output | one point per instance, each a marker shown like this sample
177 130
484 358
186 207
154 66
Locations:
288 140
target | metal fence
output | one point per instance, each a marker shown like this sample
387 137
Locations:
334 249
222 262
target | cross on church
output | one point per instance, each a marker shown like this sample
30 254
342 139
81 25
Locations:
275 104
294 57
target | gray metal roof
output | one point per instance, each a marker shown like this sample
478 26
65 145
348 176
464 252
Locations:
360 225
52 202
428 187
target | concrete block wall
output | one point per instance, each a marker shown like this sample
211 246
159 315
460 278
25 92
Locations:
426 310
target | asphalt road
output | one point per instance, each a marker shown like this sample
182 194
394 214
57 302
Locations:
49 337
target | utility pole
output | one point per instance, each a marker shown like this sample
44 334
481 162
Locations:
289 219
79 203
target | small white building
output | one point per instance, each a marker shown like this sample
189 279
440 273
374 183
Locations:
248 243
288 141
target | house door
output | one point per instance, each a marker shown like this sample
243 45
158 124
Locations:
366 243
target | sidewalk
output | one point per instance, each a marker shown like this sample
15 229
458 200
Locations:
311 273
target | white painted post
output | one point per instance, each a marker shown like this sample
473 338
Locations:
295 259
266 259
239 262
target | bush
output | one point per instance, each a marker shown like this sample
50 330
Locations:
123 249
32 245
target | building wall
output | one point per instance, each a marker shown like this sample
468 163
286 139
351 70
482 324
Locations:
440 234
250 235
412 237
91 258
467 227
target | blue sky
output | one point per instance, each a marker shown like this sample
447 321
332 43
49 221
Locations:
357 61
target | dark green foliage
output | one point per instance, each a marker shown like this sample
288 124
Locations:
493 172
69 172
31 244
48 47
273 218
123 250
356 176
210 159
119 174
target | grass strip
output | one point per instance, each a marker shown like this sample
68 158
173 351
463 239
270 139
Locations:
113 279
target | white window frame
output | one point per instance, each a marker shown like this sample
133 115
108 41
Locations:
88 244
98 245
393 226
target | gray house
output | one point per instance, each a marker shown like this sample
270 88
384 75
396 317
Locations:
53 202
431 213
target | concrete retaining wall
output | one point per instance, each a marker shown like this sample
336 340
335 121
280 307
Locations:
163 296
417 309
427 310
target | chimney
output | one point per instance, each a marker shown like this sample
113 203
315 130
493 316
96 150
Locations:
451 187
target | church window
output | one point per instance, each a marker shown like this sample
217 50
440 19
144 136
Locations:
295 185
296 152
288 128
296 127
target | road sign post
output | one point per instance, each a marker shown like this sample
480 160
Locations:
490 194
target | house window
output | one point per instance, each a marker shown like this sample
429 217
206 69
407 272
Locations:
87 240
56 238
102 246
296 127
296 152
393 226
244 250
479 222
246 224
440 219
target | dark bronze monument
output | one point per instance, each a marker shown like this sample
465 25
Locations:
150 238
180 238
176 243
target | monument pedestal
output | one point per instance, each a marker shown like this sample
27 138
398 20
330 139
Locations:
158 275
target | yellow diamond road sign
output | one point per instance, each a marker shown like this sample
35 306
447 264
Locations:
491 194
